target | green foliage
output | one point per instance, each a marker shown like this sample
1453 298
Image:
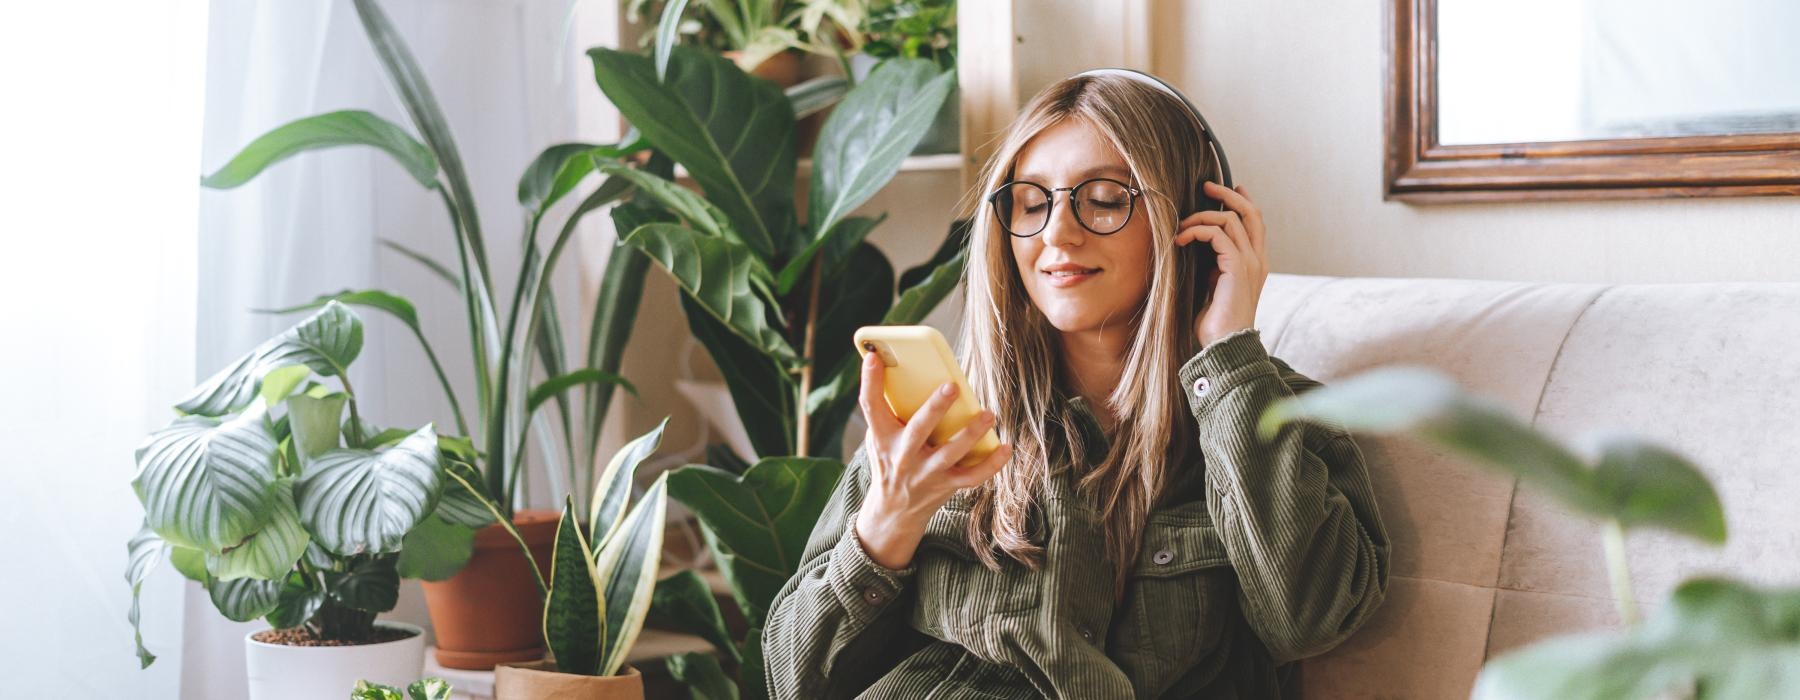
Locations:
429 688
913 29
1715 638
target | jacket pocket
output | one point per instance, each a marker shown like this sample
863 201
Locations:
1181 596
957 593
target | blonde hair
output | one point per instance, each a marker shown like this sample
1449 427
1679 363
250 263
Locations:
1009 348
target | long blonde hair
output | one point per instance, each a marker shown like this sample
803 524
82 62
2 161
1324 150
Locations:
1009 348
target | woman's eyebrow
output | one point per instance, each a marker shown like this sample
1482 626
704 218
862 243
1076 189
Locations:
1085 174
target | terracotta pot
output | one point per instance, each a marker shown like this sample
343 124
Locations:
490 612
781 69
539 680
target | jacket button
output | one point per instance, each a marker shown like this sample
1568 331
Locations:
1200 386
1086 633
874 596
1163 556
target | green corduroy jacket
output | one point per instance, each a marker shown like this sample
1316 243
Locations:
1264 553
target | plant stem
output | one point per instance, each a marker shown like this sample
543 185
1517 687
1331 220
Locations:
1619 569
803 432
506 524
356 437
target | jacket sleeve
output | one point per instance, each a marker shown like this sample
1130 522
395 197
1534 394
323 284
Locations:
831 621
1296 514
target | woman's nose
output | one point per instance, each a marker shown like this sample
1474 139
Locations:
1064 229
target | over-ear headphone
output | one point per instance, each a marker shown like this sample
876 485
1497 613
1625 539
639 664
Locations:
1203 202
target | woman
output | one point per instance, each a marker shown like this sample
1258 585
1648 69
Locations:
1132 537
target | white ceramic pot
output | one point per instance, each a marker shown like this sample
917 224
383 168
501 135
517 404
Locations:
280 672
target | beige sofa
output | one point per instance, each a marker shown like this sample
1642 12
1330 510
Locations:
1481 567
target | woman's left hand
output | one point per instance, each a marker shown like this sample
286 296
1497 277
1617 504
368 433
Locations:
1236 284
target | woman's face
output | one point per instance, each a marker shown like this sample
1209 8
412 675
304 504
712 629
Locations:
1114 274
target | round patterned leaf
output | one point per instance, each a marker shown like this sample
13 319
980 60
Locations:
358 501
207 483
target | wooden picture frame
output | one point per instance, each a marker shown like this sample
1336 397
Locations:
1418 169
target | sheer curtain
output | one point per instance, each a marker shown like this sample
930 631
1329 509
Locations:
101 135
507 80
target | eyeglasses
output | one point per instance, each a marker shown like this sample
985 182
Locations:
1102 205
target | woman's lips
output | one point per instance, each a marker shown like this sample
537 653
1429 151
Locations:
1065 279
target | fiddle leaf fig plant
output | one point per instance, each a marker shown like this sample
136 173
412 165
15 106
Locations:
1715 638
774 291
279 503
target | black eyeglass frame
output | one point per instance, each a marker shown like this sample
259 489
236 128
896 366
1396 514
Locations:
1050 199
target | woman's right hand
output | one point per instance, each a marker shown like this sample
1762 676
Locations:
908 478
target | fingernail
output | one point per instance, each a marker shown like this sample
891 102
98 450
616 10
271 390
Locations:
949 389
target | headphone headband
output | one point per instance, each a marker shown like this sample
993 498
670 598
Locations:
1206 132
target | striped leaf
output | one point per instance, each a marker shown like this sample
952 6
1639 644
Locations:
627 568
143 551
207 483
190 562
244 599
358 501
613 491
272 551
574 618
720 275
327 342
458 505
372 584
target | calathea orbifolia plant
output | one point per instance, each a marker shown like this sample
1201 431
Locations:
276 494
1716 638
509 338
775 293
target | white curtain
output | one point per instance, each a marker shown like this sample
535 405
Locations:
506 79
98 199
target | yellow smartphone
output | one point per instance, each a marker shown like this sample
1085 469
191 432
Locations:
918 361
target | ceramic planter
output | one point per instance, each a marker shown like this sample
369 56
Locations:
281 672
539 680
490 612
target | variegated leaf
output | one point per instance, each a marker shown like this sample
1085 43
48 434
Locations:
244 599
358 501
613 491
574 614
206 483
627 569
327 341
272 551
143 551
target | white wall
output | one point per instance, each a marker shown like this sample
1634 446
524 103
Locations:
1295 91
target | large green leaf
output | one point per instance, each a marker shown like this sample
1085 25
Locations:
358 501
760 389
207 483
1650 486
614 316
574 614
612 491
1635 484
720 275
685 601
143 552
371 584
244 599
459 505
732 131
955 242
815 94
327 341
751 671
272 551
298 600
701 673
758 523
836 247
558 169
1735 640
316 422
683 202
435 549
626 565
869 133
861 290
400 308
351 127
917 301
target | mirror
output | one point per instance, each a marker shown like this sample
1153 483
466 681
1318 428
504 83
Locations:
1591 99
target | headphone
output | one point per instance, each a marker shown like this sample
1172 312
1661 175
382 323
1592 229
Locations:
1203 201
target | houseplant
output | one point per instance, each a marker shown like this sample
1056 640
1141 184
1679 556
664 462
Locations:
285 503
762 37
485 612
597 594
422 689
1716 637
916 29
753 269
